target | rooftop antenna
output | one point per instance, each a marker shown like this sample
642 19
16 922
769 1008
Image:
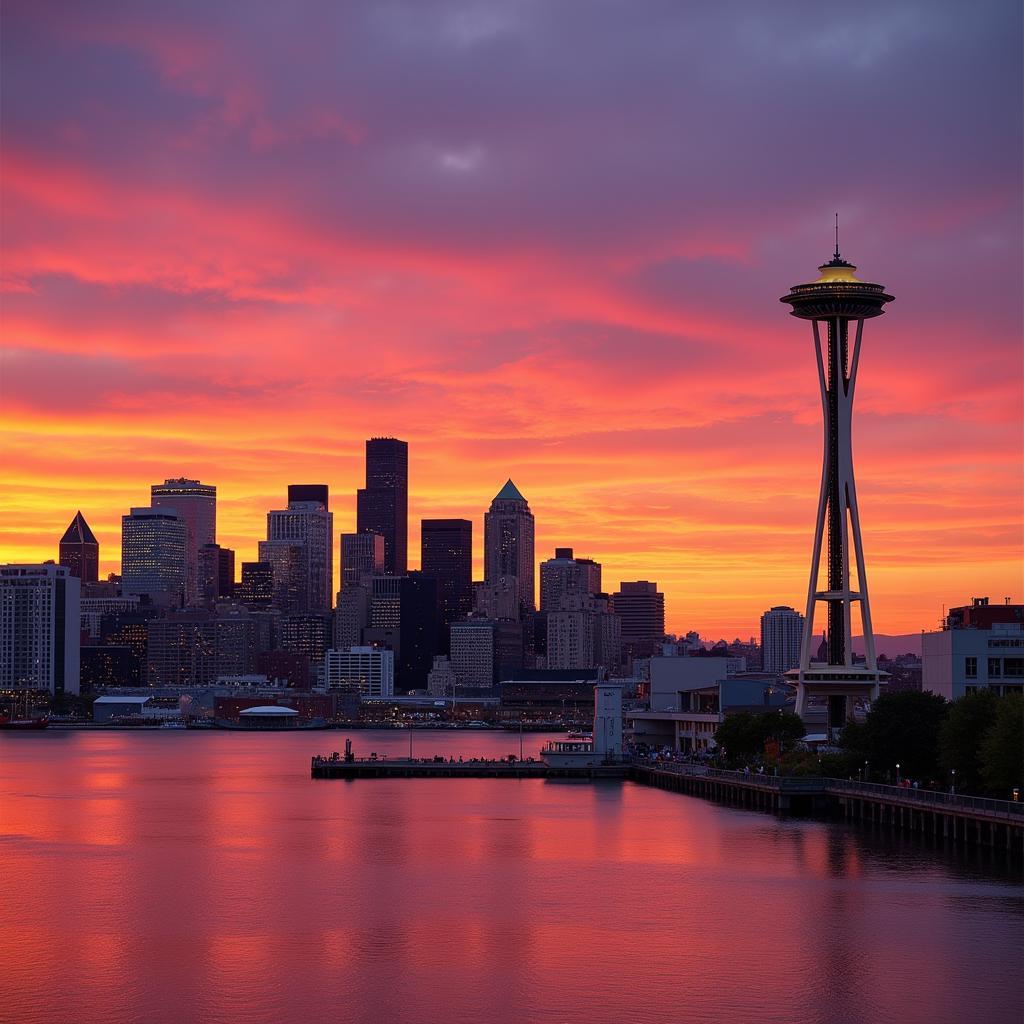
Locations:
837 234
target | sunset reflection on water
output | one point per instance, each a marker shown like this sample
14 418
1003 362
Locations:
189 876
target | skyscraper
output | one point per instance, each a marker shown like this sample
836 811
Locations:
641 609
196 506
311 524
508 543
289 575
362 554
257 584
781 630
40 628
446 554
382 506
154 554
417 630
80 551
837 299
216 572
564 576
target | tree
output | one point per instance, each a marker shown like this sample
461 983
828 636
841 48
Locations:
1002 750
739 737
744 735
901 728
961 736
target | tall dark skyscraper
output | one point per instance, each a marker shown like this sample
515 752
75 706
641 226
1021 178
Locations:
382 506
417 630
446 554
80 551
308 492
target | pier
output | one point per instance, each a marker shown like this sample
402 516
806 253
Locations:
336 767
967 819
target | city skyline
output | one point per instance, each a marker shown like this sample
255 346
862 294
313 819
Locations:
516 300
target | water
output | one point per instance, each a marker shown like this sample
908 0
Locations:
183 876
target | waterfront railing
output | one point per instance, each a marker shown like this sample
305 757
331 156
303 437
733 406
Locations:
1010 809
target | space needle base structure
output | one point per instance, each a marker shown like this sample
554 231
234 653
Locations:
837 304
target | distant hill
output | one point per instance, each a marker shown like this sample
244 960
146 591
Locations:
890 646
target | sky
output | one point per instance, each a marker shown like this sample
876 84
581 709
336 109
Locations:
539 240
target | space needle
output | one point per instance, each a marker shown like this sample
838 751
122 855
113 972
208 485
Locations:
834 303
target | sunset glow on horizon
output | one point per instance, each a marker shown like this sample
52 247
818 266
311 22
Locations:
537 241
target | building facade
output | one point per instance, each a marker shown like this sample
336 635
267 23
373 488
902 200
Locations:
509 544
382 506
640 607
216 573
980 647
289 579
782 629
196 505
583 633
473 652
446 555
565 577
372 669
80 551
311 525
39 628
154 555
362 555
193 648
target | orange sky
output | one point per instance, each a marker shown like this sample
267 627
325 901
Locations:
219 266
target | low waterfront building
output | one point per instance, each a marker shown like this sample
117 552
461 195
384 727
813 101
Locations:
671 675
104 709
690 726
372 669
981 646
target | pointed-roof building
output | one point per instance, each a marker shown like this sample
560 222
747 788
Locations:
508 543
80 551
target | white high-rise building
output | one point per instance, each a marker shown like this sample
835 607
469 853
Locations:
309 523
154 554
372 669
781 631
40 628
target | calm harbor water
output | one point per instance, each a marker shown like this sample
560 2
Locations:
185 876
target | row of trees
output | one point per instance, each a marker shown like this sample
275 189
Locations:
975 743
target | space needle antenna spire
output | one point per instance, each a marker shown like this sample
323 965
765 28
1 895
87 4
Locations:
837 234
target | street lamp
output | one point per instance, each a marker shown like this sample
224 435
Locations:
952 787
867 769
897 773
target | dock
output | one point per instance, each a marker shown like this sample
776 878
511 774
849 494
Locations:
441 768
